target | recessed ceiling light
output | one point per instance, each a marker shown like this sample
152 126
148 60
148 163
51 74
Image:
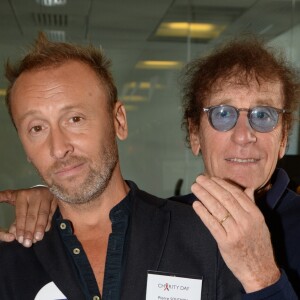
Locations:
130 107
131 85
158 64
134 98
51 2
143 85
194 30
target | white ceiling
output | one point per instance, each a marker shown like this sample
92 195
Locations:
124 28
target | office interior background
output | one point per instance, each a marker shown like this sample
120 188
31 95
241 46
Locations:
148 41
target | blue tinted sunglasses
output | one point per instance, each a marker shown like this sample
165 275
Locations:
261 118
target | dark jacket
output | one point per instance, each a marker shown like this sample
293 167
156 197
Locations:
281 209
164 236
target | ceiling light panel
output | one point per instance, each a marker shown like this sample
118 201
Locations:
51 2
159 64
197 22
193 30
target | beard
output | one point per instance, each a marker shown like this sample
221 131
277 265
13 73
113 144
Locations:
95 182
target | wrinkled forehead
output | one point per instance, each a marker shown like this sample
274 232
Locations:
240 78
270 89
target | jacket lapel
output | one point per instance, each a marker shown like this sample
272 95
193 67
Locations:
148 236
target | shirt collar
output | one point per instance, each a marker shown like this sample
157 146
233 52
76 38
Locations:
280 181
123 207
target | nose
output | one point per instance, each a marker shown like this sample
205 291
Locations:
243 133
60 144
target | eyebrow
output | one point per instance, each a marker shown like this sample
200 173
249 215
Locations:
36 112
28 113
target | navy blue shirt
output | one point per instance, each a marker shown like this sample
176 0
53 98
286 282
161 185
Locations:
116 251
281 209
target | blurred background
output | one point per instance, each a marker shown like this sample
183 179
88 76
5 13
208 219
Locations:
149 41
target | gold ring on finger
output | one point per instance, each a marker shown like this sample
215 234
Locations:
225 218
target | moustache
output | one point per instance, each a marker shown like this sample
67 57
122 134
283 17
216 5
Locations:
74 160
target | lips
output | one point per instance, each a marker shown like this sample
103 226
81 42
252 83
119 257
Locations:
68 169
242 160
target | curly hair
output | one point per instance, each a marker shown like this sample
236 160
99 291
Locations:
244 59
47 54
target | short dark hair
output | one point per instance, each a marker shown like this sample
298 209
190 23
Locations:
47 54
245 58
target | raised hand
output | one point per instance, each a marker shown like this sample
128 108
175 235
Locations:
34 210
239 228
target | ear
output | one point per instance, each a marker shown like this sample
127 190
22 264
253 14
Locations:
120 121
283 146
194 139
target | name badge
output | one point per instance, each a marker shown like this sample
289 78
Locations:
166 286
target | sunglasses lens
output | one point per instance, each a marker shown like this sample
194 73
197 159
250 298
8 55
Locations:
223 118
263 119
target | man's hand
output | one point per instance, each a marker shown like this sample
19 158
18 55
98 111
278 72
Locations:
240 230
34 211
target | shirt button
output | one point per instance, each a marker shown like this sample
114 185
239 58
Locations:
63 226
96 298
76 251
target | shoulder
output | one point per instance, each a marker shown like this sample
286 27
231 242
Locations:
8 249
21 273
186 199
14 257
289 207
182 216
150 199
175 204
283 203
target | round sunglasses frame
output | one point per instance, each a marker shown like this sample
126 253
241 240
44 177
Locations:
209 110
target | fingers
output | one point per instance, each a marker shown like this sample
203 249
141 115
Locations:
226 210
51 213
250 193
217 200
30 231
13 229
7 196
240 195
33 210
46 210
238 227
6 236
221 197
21 218
233 212
217 231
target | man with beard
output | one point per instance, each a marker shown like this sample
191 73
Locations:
108 239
